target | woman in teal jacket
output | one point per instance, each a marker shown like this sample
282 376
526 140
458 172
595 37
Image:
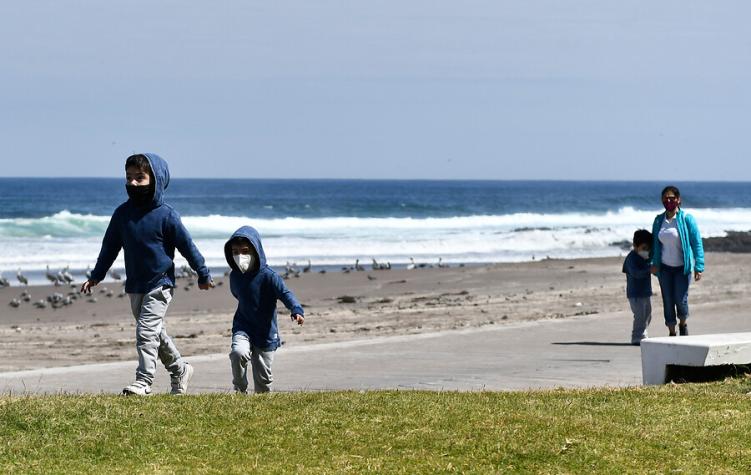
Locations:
677 252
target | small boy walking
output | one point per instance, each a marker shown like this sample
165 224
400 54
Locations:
149 231
255 334
636 266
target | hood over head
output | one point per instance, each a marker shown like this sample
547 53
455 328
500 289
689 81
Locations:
160 173
254 238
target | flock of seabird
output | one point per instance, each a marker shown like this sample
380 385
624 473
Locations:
64 278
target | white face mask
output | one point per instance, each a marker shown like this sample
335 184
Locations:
644 254
243 261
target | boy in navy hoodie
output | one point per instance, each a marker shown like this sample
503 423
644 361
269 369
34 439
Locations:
639 284
149 231
255 334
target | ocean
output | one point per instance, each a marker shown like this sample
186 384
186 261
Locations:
59 222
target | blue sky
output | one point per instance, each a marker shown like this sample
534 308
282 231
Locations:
381 89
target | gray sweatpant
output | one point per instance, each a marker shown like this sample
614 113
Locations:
152 340
642 309
260 360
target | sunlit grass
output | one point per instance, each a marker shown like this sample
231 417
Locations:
691 428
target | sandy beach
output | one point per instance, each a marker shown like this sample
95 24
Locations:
356 305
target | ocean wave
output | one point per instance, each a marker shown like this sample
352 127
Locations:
65 224
67 238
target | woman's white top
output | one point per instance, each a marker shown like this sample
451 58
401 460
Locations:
672 249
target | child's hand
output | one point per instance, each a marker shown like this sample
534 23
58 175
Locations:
86 287
296 317
208 285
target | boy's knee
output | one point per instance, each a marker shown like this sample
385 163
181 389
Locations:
238 355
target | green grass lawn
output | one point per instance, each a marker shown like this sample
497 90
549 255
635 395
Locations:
690 428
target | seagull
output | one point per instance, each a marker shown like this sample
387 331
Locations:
358 267
115 275
15 303
50 276
4 282
66 275
22 278
411 264
290 268
441 264
307 268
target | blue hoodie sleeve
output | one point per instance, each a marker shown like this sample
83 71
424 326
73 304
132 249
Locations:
697 246
632 267
286 295
111 245
184 243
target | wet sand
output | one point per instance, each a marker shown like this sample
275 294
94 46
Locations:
376 303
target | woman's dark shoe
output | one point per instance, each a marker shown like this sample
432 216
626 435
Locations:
683 330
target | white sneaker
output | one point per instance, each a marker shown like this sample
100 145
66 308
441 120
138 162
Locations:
180 383
139 388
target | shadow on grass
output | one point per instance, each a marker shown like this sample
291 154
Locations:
591 343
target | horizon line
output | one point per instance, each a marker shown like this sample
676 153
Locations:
486 180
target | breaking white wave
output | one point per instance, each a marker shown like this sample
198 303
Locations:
69 239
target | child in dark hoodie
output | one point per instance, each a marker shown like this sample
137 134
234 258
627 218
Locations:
639 284
149 231
255 335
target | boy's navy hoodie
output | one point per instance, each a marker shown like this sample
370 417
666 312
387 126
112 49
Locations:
638 276
257 291
149 235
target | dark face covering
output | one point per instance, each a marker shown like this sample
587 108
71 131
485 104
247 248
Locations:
140 195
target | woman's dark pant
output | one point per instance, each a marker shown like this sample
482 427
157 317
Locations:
674 287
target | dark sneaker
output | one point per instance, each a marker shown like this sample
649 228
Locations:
683 330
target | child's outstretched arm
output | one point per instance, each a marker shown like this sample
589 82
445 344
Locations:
184 243
111 245
288 299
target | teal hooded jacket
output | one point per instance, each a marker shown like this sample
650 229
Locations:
693 249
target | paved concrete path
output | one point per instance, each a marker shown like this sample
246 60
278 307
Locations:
575 352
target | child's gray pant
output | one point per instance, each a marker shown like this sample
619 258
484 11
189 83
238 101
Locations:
260 363
152 340
642 308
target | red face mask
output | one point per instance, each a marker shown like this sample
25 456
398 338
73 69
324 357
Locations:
670 205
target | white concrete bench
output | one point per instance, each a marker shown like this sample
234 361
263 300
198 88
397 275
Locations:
699 351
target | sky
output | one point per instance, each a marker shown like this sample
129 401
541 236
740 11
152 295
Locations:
413 89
